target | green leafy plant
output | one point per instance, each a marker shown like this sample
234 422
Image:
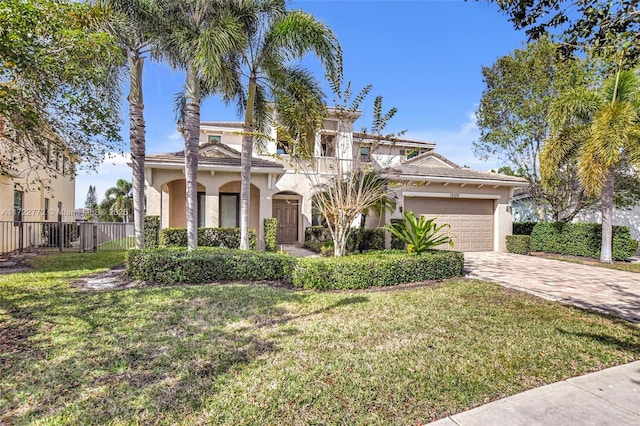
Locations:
420 234
519 244
270 230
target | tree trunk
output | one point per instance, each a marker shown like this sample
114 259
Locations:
192 142
245 171
137 143
607 218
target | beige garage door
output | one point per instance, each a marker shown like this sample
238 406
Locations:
471 220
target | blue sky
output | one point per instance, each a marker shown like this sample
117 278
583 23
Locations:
424 57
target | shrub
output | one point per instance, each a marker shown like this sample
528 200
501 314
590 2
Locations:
318 237
397 243
207 264
376 269
523 228
580 239
270 229
519 244
419 233
207 237
151 231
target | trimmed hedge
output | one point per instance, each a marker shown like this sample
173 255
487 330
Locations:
519 244
151 231
581 239
270 229
207 237
375 269
523 228
317 237
207 264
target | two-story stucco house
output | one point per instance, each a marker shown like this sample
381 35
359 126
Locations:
35 190
476 204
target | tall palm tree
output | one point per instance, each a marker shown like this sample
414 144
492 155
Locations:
602 129
130 22
202 39
275 38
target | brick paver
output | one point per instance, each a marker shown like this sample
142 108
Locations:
591 287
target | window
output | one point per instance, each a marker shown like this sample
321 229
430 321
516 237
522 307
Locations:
201 209
214 139
18 203
412 153
229 210
59 211
49 153
328 145
316 215
46 209
283 147
364 154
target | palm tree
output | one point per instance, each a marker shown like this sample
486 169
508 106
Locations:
202 39
120 200
601 128
130 23
275 38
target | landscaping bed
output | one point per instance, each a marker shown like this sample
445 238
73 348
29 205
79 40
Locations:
245 354
383 268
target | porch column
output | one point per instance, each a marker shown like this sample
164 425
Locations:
154 201
212 207
164 208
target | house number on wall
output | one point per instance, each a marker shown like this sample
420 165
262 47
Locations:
454 195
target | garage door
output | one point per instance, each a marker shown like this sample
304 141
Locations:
471 220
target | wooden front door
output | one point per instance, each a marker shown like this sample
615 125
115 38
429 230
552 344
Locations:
286 211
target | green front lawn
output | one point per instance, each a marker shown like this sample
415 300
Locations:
249 354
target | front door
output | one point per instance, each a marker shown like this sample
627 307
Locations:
286 211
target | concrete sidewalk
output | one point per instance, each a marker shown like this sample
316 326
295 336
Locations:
608 397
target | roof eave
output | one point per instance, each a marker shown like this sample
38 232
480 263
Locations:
467 181
209 167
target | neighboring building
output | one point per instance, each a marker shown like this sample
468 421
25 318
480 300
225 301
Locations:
30 193
476 204
524 210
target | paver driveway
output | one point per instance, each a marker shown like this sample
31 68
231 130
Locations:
591 287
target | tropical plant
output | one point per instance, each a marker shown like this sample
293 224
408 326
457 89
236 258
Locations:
275 38
131 24
120 200
203 40
420 234
600 128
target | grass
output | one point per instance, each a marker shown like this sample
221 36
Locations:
242 354
620 266
119 244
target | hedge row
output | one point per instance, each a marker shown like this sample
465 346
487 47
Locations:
375 269
581 239
317 237
207 237
519 244
523 228
207 264
177 265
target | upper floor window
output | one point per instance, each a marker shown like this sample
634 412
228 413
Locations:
46 209
214 139
365 154
328 145
283 147
410 153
